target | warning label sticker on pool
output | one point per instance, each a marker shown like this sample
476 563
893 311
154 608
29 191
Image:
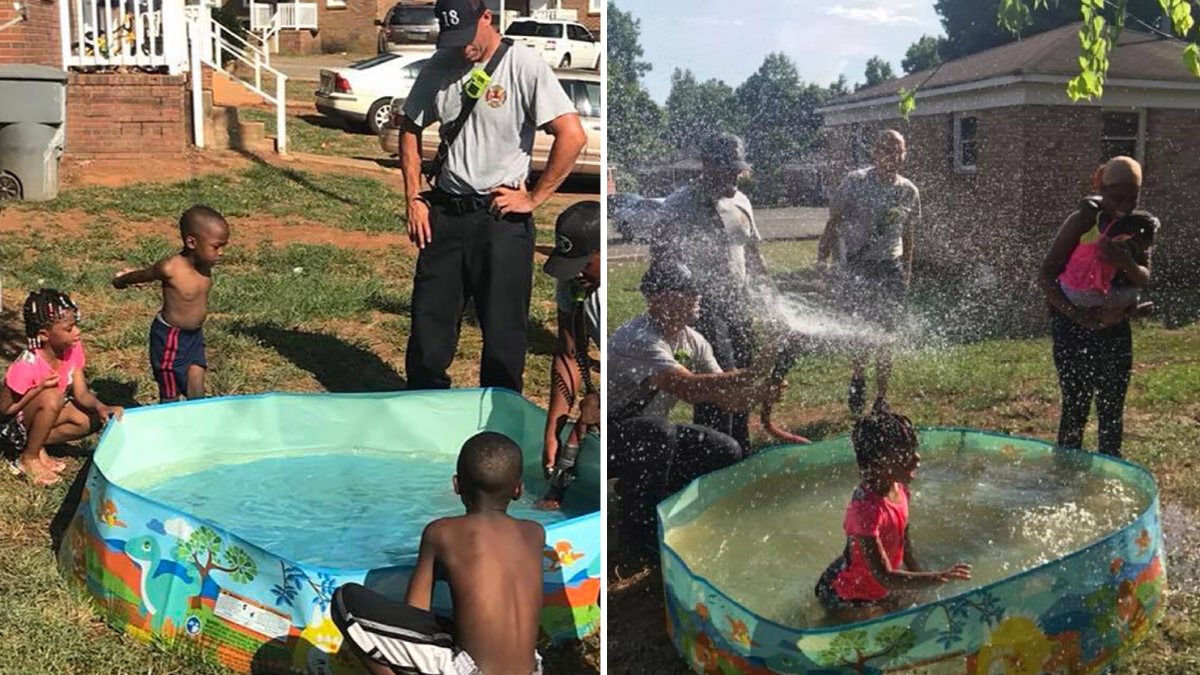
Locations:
251 616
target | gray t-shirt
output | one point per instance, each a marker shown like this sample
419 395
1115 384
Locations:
565 298
874 216
636 352
707 237
495 146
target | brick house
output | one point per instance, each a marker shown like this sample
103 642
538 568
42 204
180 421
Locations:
1001 155
107 113
349 25
136 93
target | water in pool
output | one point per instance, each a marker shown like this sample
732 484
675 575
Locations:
998 514
342 509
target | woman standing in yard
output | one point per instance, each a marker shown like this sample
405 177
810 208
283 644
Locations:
1093 347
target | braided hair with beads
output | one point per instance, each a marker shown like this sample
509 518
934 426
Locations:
880 436
42 309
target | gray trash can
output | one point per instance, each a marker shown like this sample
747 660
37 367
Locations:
33 110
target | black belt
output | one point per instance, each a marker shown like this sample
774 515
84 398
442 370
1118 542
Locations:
457 205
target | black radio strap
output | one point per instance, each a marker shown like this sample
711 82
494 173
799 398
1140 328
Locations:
451 131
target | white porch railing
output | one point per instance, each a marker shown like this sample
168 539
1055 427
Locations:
283 16
147 34
215 46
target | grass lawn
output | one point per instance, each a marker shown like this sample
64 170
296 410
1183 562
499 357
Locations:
1008 385
312 132
313 295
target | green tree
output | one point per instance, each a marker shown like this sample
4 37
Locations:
696 109
780 123
922 54
971 25
878 71
636 124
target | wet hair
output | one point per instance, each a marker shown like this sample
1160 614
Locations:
880 436
43 308
197 218
489 464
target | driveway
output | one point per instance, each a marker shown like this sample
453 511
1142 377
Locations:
308 67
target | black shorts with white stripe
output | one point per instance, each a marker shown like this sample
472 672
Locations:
408 640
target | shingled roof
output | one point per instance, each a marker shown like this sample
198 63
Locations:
1139 56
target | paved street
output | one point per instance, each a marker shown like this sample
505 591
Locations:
797 222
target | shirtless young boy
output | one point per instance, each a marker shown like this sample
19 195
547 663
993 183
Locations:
493 565
177 332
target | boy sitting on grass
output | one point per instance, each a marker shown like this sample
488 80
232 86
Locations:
45 399
493 564
177 332
878 565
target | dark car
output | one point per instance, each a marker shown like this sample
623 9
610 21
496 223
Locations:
407 24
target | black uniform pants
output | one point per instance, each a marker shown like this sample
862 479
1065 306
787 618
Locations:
475 256
732 338
1092 364
653 458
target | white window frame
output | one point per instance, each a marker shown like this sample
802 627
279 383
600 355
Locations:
1141 131
335 4
959 166
594 6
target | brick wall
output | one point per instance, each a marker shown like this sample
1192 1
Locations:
964 215
1172 173
1034 164
35 40
300 41
133 115
351 28
591 20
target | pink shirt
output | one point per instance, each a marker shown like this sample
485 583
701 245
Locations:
871 515
30 369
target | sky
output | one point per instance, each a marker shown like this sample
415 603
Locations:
728 39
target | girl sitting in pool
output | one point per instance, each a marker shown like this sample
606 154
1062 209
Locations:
877 565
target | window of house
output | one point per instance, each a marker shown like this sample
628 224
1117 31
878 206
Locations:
335 4
1124 134
966 151
593 6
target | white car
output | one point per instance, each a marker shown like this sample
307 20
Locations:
563 44
362 93
582 87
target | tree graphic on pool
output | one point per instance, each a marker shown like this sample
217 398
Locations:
169 585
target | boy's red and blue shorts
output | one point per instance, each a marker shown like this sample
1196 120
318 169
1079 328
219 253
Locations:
172 351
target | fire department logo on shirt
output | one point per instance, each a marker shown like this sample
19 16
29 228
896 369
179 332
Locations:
495 96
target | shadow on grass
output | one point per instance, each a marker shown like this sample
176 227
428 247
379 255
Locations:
12 338
115 392
296 177
337 366
70 504
324 122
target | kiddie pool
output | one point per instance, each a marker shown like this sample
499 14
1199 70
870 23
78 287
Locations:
252 609
1069 616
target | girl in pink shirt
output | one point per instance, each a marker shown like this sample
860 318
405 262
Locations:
878 558
45 398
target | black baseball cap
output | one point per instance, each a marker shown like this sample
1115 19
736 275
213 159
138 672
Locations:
724 150
576 238
457 22
668 277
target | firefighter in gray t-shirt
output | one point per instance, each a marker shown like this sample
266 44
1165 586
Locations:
475 227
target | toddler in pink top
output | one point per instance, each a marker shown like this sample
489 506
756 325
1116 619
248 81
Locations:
45 399
878 559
